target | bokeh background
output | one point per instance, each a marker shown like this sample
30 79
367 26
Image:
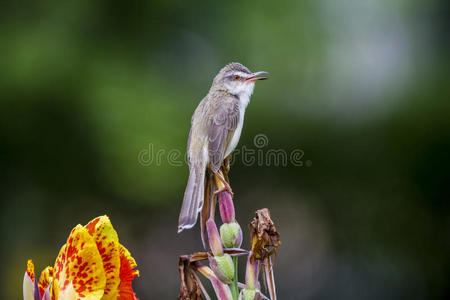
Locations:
360 87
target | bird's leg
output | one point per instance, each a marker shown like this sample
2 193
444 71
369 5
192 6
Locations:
221 183
226 166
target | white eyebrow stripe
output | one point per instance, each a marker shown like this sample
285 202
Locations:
241 74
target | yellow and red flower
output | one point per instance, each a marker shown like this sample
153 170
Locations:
92 265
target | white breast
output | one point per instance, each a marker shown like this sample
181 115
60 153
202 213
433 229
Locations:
244 99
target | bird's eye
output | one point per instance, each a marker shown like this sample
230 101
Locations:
236 77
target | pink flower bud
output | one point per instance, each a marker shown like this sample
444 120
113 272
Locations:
215 243
226 207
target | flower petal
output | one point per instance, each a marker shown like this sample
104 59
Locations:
47 293
127 274
45 279
28 281
37 295
107 242
79 268
30 269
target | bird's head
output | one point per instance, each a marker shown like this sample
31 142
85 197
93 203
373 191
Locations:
237 79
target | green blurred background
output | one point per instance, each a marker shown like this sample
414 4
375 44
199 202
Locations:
361 87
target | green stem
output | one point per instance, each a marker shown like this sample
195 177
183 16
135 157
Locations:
234 285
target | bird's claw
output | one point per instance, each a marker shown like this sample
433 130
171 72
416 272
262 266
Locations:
227 188
222 184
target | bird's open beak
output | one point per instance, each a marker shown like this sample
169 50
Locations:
254 77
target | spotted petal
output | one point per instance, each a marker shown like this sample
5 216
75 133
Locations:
107 243
79 268
45 280
127 274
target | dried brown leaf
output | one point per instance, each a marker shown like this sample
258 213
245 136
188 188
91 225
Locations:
263 234
265 239
269 278
190 287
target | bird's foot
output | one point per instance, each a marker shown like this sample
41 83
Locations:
222 184
225 188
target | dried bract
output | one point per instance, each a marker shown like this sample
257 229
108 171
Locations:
264 236
190 287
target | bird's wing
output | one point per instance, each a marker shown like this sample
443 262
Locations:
221 126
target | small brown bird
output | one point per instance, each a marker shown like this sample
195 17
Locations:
215 131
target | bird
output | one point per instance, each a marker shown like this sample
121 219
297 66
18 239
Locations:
216 127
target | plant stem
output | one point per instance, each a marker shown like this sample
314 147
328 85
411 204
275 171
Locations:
234 285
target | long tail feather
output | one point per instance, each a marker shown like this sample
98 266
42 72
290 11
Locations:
193 198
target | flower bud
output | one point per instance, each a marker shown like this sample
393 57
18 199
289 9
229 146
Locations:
222 290
215 243
222 267
249 294
251 273
226 207
231 234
